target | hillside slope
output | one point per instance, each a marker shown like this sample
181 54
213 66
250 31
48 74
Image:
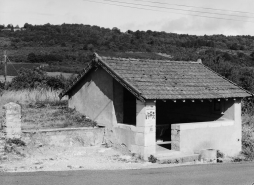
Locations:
68 47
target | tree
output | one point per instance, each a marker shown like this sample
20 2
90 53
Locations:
31 57
26 25
252 54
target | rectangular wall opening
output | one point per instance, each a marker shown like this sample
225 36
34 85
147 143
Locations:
129 108
170 112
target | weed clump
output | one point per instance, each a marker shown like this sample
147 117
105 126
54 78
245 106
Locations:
152 159
14 145
15 141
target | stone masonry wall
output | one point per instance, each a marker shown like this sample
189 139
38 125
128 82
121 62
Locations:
64 137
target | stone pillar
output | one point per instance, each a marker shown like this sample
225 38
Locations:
145 124
12 121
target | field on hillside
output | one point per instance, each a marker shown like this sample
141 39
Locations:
8 78
14 67
65 75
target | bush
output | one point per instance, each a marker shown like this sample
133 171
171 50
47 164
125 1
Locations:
55 83
16 142
1 85
152 159
36 78
248 139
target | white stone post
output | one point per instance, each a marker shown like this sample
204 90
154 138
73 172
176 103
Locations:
145 123
12 121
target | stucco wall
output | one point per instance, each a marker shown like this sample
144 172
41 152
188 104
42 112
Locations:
126 134
222 135
93 97
100 97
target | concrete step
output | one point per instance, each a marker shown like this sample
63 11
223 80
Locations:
171 156
167 153
178 159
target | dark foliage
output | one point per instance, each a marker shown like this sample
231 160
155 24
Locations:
68 47
1 85
16 142
47 58
36 78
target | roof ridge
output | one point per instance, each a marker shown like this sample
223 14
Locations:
118 58
144 59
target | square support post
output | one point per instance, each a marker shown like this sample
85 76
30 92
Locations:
145 141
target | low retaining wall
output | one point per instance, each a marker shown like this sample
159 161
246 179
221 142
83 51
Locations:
219 135
64 136
126 134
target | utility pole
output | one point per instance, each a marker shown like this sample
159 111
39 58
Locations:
5 68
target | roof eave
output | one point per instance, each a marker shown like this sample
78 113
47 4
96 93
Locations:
118 78
77 79
98 60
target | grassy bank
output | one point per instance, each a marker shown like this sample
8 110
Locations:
248 137
43 109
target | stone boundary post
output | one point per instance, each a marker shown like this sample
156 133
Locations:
12 121
11 126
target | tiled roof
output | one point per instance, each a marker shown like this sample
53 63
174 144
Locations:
164 79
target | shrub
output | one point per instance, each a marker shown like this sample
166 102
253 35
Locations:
36 78
152 159
248 139
1 85
55 83
28 79
16 142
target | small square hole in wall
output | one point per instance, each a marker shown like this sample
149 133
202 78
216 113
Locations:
217 106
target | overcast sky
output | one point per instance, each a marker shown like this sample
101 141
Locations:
18 12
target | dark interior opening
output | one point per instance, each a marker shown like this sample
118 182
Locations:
170 112
129 108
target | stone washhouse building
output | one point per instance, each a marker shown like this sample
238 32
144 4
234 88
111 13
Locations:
156 107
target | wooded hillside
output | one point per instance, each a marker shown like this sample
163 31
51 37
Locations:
68 47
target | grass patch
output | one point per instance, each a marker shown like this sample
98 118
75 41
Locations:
248 137
52 115
42 109
14 67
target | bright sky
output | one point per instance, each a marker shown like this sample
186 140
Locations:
18 12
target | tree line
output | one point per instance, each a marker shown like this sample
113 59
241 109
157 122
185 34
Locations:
68 47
